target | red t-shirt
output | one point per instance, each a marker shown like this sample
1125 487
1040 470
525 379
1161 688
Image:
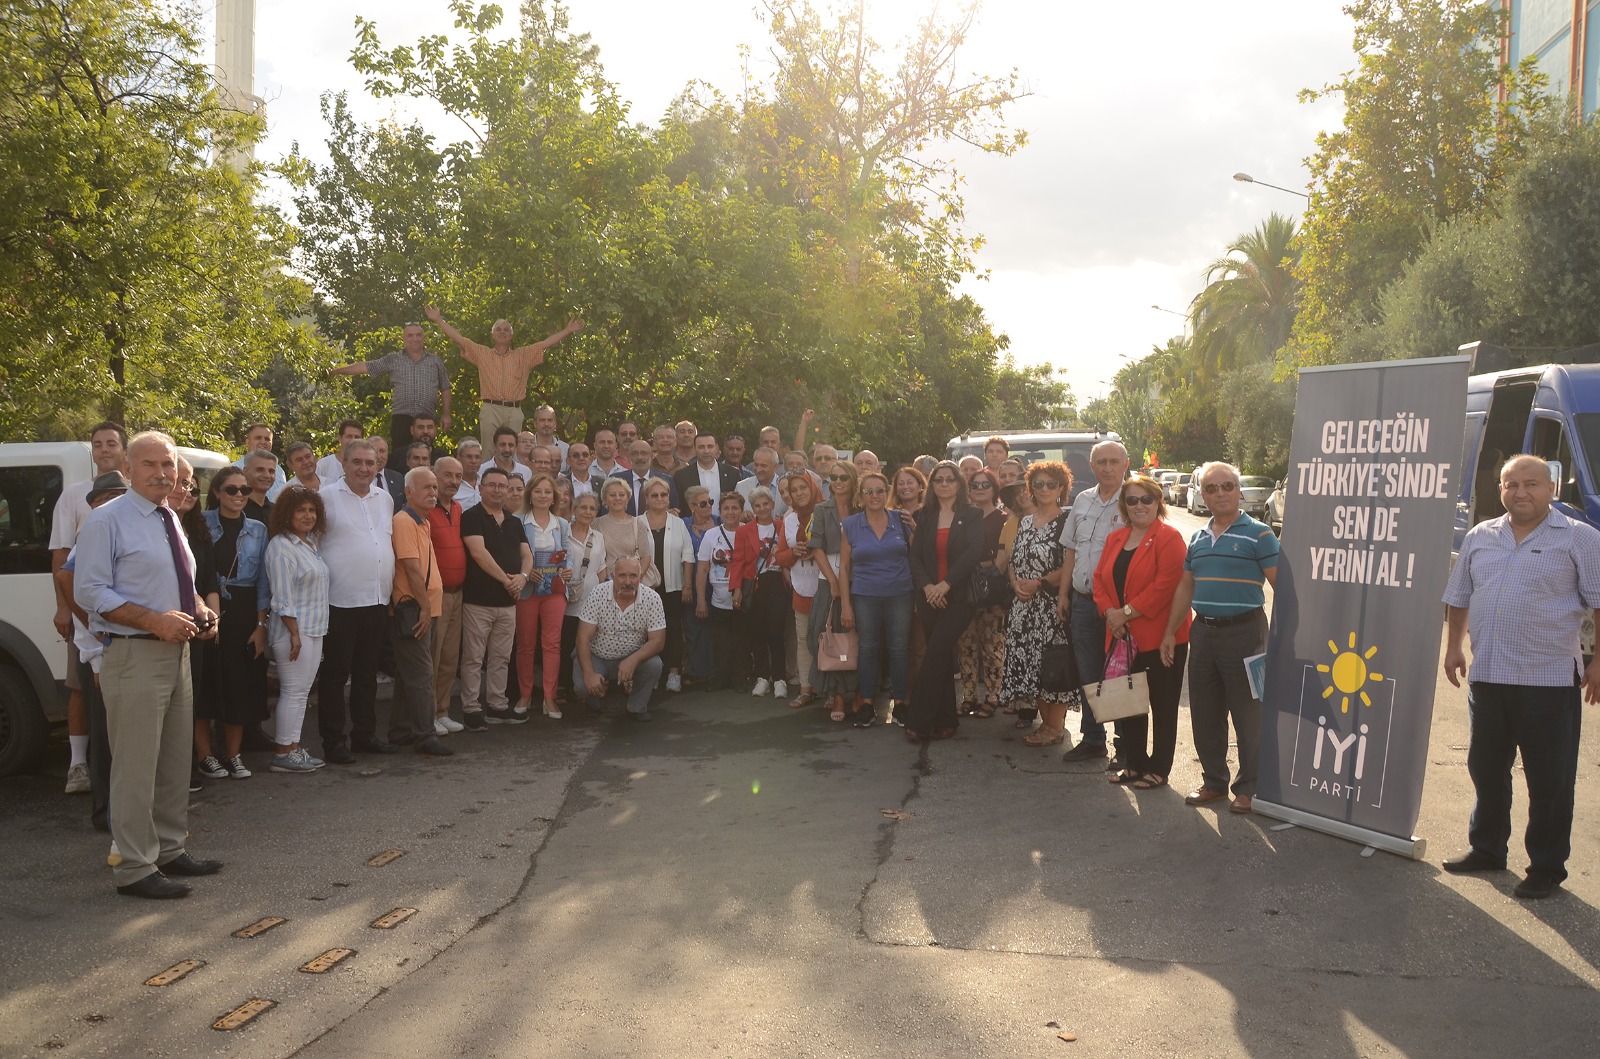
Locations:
448 551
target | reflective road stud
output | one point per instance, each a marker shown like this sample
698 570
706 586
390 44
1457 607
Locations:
385 857
243 1013
175 972
393 919
260 927
327 961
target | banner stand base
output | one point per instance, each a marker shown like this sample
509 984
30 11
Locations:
1412 848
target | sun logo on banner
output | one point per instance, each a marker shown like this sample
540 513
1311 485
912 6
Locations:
1349 673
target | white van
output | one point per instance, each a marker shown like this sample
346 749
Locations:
1070 447
33 658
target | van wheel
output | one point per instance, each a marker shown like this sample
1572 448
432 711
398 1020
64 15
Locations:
22 724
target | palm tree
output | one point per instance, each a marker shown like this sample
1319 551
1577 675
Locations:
1246 311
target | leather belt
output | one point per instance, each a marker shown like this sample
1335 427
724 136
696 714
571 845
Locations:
133 636
1231 619
504 404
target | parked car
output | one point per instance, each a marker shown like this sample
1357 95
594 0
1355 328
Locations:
33 658
1165 480
1275 508
1255 490
1194 502
1179 494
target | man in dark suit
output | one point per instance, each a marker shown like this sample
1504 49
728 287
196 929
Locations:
390 481
706 470
640 455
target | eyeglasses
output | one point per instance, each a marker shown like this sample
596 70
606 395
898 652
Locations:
231 490
1219 487
1137 499
946 480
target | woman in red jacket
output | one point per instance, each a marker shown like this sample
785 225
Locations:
1134 584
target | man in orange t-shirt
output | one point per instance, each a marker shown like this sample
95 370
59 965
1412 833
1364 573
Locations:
416 602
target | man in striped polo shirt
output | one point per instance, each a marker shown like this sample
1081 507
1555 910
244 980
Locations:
1229 561
502 370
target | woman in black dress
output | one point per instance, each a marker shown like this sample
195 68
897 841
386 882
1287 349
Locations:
235 687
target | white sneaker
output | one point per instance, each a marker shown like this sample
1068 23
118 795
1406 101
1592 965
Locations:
451 724
780 690
114 857
674 682
762 687
439 728
78 779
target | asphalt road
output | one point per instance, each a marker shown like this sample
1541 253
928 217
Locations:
727 882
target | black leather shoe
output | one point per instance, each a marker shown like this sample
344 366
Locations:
183 864
338 754
373 745
431 745
156 887
1536 886
1085 752
1473 861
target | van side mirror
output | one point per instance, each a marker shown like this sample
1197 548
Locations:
1555 471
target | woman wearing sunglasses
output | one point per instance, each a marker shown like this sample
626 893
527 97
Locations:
236 660
827 541
1036 558
1134 586
982 650
876 588
184 500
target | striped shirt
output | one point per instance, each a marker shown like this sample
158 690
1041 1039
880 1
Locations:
299 583
1230 567
417 383
502 376
1526 601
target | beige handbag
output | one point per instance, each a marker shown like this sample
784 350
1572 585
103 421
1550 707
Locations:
1117 698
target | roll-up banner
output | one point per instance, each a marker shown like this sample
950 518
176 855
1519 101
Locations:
1353 653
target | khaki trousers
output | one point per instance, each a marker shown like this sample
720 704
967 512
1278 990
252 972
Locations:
150 723
486 631
446 650
492 417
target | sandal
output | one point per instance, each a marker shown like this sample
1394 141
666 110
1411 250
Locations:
1125 777
805 698
983 712
836 709
1044 735
1149 782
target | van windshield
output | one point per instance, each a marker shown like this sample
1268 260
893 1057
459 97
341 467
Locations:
1588 424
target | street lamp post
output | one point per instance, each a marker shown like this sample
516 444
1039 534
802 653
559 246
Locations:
1174 312
1246 178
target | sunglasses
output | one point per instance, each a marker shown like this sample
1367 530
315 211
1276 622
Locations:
981 483
230 490
1138 499
876 490
838 477
1046 483
941 481
1219 487
702 503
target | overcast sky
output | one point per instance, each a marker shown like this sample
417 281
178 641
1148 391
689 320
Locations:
1140 114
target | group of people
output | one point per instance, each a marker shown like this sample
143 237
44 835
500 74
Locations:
522 567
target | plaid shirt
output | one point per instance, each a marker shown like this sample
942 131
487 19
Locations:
417 383
1526 602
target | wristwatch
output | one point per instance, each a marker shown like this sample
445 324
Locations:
1127 610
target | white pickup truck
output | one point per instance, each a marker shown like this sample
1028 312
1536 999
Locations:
33 657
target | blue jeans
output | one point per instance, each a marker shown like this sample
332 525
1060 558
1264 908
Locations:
645 676
1089 645
883 625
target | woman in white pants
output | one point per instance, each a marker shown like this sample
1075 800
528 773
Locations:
299 617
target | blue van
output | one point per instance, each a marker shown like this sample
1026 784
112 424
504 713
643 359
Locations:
1550 410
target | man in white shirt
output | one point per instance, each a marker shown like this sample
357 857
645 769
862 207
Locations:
108 449
302 459
544 429
331 466
470 453
707 470
579 471
258 438
605 455
359 552
621 632
505 454
766 477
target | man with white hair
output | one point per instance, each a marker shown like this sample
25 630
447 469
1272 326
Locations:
1230 560
621 632
1094 514
416 604
766 477
502 370
470 453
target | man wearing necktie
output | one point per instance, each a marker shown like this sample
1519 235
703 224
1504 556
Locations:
135 580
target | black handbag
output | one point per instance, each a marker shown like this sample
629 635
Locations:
989 586
1058 669
747 593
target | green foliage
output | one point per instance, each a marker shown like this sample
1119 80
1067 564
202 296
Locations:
137 277
1426 137
1028 397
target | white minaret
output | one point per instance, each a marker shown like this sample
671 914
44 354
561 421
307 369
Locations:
236 56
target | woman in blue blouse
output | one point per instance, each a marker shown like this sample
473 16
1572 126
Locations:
299 616
876 587
236 660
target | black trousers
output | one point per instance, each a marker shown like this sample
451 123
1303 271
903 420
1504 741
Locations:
350 652
764 623
1544 723
569 644
672 652
94 706
1166 686
933 694
724 647
399 438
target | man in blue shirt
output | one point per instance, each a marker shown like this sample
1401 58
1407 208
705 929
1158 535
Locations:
1230 560
1524 582
134 578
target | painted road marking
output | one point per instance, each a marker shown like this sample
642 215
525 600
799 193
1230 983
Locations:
385 857
327 961
243 1013
175 972
393 919
260 927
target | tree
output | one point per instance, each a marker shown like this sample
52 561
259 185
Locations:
1427 136
1027 397
134 263
1245 313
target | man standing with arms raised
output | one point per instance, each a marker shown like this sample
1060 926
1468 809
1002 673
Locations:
358 550
502 370
1524 583
1094 514
421 384
134 577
